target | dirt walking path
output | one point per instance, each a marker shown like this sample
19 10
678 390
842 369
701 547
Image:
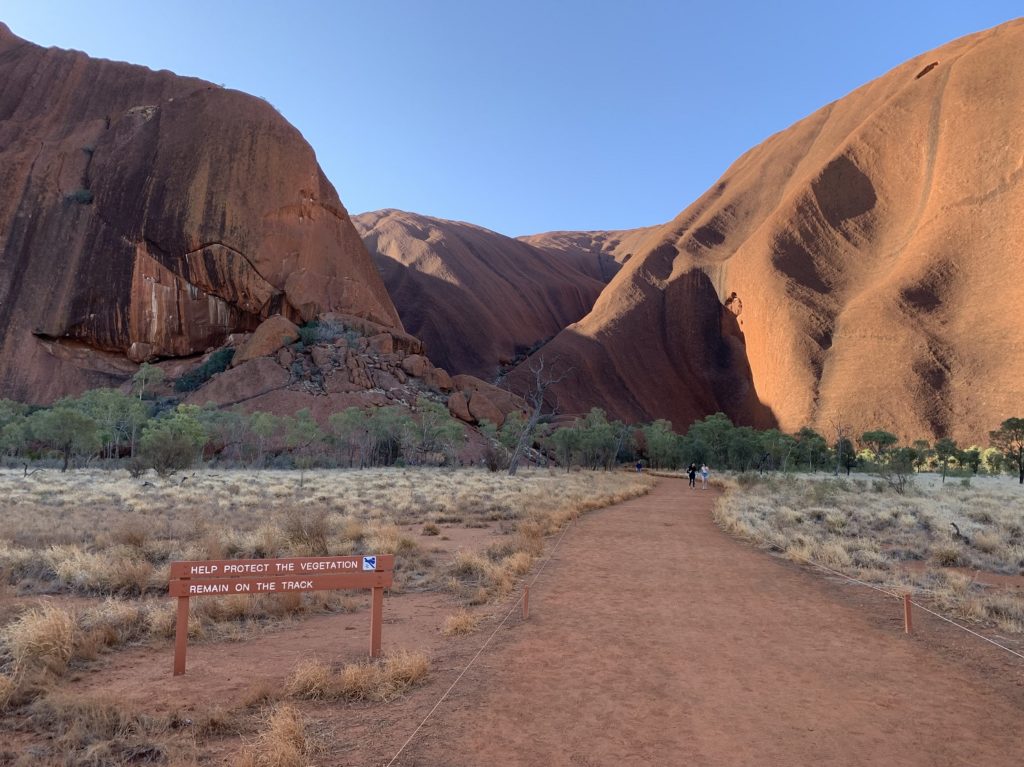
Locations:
656 639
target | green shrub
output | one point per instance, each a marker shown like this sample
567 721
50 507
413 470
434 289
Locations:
81 196
173 443
217 363
324 332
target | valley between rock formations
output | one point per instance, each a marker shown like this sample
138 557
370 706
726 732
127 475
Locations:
858 267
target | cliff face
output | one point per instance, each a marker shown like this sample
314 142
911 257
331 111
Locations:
869 256
476 298
145 215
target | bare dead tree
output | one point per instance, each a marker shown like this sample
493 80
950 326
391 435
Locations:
542 382
843 432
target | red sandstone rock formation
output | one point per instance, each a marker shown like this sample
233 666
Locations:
476 298
599 254
860 267
146 215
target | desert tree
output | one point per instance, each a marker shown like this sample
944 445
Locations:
709 439
925 453
66 429
1008 439
263 426
946 450
174 441
390 430
811 447
146 376
304 440
119 417
843 447
543 379
598 439
970 458
495 453
435 432
228 431
894 464
14 431
879 442
993 461
776 449
566 442
744 448
350 432
662 445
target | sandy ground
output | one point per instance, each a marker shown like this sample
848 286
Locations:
656 639
653 638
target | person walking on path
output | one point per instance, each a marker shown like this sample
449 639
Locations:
692 473
639 467
704 471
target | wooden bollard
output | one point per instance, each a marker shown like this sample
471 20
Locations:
181 636
908 623
526 603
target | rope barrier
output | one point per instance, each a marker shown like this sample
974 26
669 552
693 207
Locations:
483 647
777 547
969 631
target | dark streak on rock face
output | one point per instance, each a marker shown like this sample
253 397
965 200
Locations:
152 215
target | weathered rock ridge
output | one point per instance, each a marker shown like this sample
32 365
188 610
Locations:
477 299
869 257
344 362
146 215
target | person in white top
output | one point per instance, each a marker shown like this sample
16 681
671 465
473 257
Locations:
704 471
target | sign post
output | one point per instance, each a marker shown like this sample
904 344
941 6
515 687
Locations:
278 576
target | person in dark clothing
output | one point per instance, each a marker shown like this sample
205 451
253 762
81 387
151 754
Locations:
692 473
639 466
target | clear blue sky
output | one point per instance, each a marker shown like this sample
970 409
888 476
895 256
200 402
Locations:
524 115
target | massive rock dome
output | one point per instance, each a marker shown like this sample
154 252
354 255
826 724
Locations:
859 268
476 298
145 215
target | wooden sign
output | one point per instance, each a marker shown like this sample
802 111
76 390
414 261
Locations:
278 576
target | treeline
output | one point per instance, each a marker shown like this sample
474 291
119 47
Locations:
111 427
595 442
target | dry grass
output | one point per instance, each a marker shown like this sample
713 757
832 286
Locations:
99 732
460 623
899 541
380 681
103 533
284 741
95 532
99 544
42 638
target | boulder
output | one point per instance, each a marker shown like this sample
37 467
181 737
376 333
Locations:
251 379
323 356
416 365
340 382
271 335
285 358
382 379
402 341
504 400
458 406
382 343
482 409
438 380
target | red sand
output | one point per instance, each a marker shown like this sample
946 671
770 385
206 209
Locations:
654 638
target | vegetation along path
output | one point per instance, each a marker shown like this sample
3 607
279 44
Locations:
655 638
